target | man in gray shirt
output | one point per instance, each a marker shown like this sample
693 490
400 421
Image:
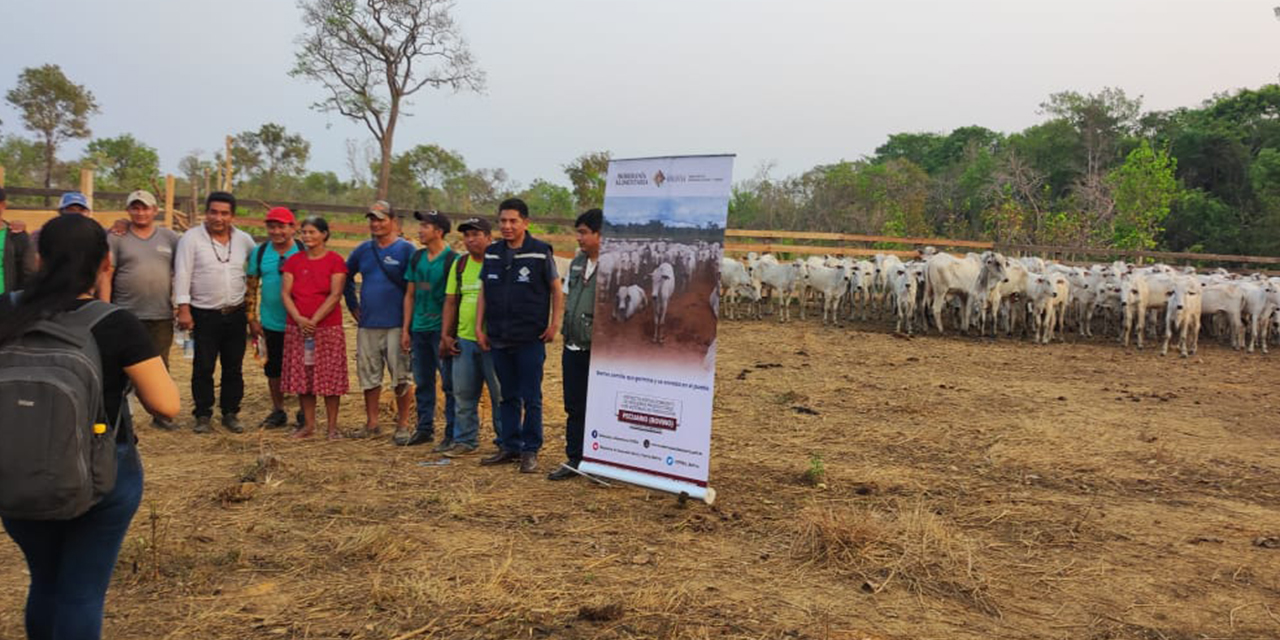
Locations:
141 279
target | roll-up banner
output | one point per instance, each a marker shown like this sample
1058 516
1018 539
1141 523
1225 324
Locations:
653 344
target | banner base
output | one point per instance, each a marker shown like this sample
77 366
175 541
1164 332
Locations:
649 481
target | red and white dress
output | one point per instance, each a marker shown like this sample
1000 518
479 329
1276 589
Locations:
312 282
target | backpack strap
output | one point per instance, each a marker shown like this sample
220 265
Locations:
462 266
449 258
262 248
416 259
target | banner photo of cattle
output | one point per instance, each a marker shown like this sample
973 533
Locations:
653 343
660 280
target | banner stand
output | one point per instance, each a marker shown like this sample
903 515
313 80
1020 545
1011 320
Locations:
649 481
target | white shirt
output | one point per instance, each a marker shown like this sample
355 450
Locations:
209 274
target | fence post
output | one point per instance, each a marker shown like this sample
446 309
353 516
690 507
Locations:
86 185
226 176
168 200
1 175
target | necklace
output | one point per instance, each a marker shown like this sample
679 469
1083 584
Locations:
215 251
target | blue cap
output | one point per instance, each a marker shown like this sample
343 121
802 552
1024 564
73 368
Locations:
73 197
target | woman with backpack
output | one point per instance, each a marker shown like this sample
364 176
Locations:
315 346
72 544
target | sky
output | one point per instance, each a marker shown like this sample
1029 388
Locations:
786 85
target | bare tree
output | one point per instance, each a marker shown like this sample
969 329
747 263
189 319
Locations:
370 55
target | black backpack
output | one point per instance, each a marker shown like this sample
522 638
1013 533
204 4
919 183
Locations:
452 255
262 248
58 456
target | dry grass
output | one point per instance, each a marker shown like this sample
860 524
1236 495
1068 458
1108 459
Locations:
968 490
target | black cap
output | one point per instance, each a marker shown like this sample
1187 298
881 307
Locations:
440 220
475 223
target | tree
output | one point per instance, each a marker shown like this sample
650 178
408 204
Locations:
550 200
269 151
588 174
1143 189
54 107
23 161
370 56
123 163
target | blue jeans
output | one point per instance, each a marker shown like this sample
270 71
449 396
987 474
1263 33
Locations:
71 560
426 361
519 370
472 368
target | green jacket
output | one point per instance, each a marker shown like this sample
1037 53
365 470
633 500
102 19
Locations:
580 304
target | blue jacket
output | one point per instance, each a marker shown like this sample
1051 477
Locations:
517 290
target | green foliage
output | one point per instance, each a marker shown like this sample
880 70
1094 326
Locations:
1144 188
53 107
270 151
23 161
549 200
588 174
816 473
122 164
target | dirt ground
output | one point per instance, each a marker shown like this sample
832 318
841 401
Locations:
870 486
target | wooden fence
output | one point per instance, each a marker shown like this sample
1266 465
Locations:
737 241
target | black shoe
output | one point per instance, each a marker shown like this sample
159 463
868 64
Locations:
204 424
277 419
164 425
501 457
418 438
528 462
565 471
231 422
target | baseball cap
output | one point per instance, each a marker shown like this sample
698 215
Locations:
440 220
73 197
380 210
142 196
281 214
475 223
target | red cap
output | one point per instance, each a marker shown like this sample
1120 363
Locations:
281 214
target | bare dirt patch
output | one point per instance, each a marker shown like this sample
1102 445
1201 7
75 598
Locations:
969 489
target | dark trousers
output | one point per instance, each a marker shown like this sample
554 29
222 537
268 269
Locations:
426 362
519 370
218 337
577 368
70 561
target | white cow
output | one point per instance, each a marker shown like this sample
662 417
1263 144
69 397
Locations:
905 289
784 279
628 302
736 282
1182 314
1228 299
831 283
664 285
946 275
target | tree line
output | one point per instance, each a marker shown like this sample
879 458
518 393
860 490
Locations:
1098 172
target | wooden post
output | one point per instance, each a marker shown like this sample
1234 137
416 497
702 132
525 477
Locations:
168 200
226 183
1 175
86 185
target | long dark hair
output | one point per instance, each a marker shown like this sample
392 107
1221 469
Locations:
71 251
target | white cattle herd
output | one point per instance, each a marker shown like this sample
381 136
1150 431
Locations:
996 294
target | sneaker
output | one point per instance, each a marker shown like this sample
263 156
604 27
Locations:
164 425
501 457
204 424
528 462
417 438
277 419
231 422
444 446
400 437
460 449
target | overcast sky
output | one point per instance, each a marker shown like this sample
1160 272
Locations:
797 83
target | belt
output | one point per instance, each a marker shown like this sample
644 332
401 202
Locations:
226 311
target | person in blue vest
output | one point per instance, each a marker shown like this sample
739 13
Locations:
518 312
575 360
378 310
264 305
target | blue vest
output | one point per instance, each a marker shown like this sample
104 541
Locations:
517 296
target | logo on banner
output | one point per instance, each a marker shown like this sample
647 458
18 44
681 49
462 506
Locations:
524 274
658 178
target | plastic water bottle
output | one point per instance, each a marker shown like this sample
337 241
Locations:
309 351
183 338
